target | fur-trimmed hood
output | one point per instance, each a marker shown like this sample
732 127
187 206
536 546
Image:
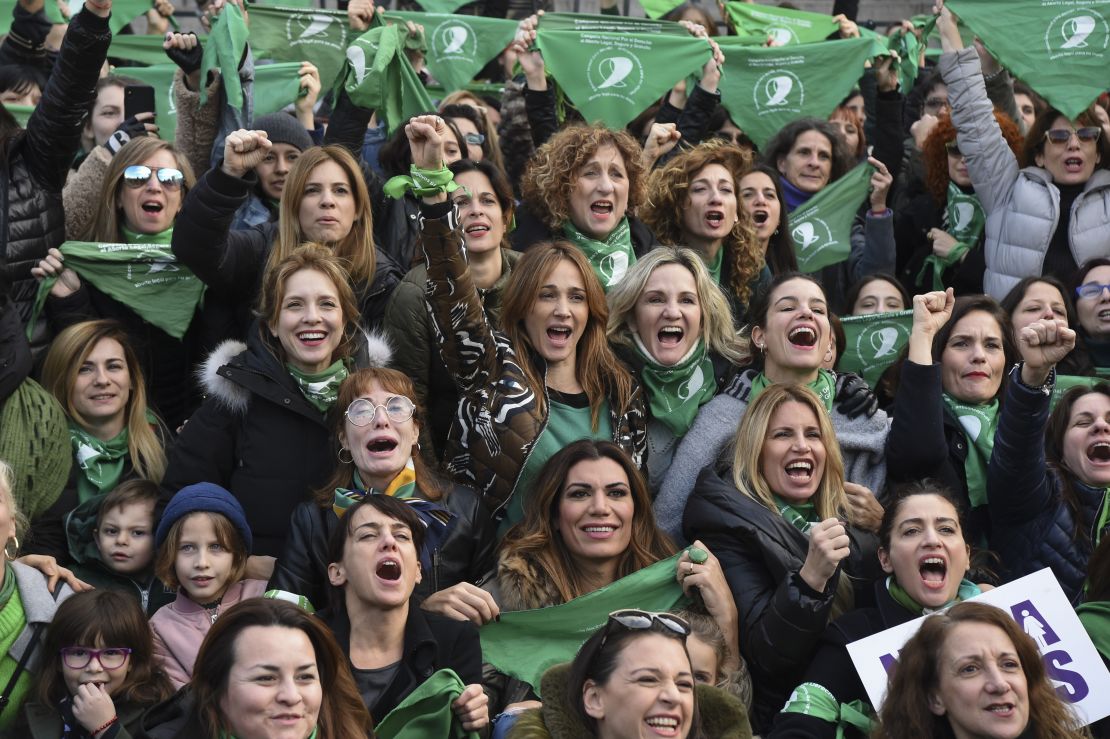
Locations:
522 585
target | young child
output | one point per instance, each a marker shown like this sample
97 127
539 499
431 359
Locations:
98 673
111 540
203 543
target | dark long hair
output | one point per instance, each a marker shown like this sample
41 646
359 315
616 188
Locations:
986 304
780 255
1054 433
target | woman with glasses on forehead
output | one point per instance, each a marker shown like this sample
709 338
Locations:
376 442
1048 217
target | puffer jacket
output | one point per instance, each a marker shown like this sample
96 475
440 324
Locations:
722 716
499 417
34 164
257 436
410 327
465 556
781 617
1032 526
1022 205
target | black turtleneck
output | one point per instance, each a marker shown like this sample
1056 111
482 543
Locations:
1059 261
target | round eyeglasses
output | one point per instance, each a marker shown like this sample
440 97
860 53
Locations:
110 658
397 408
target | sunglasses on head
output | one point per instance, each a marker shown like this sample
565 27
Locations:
1086 134
137 175
632 619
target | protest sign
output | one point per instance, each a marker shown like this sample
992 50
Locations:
874 342
822 227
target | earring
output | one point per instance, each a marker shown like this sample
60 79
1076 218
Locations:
7 546
339 454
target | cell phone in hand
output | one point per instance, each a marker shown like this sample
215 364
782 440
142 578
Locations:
137 99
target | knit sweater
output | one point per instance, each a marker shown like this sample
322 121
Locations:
12 622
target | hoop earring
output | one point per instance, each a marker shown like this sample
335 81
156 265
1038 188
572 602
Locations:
7 545
339 454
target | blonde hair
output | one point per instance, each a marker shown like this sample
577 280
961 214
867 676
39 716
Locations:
716 318
68 352
830 500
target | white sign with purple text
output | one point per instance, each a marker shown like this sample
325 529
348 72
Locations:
1038 604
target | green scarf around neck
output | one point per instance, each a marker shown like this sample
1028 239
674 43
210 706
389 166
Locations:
801 516
228 735
101 463
676 393
979 423
964 219
716 264
1102 519
8 587
133 237
967 589
610 258
824 386
321 389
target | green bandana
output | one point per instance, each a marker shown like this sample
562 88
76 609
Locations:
160 77
294 35
142 49
1095 617
421 182
101 462
824 386
659 8
162 238
378 75
459 45
822 227
812 699
275 86
979 423
426 711
224 51
525 643
445 7
21 113
676 393
320 388
967 589
1058 49
607 24
716 264
801 516
874 342
1102 520
964 219
613 77
403 486
908 48
766 88
610 258
786 26
145 277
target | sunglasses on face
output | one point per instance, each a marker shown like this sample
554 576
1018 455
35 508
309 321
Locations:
137 175
397 408
475 138
953 149
1087 134
110 658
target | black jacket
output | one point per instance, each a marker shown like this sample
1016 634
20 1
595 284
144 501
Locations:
911 228
174 718
432 643
15 354
466 555
781 617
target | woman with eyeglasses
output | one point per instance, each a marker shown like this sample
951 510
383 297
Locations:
141 196
633 678
480 137
1047 217
1090 289
378 434
262 432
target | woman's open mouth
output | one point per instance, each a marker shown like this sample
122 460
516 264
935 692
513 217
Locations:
800 470
663 725
804 337
381 446
312 338
670 336
602 208
1099 452
760 216
559 335
714 218
152 206
934 572
388 570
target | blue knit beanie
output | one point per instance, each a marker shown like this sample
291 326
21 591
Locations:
204 497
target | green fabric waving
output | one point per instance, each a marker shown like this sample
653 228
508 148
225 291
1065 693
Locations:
224 51
525 643
676 393
142 49
824 386
320 388
100 462
964 219
377 75
613 77
442 6
607 24
659 8
874 342
147 278
979 423
123 12
610 258
1058 49
822 227
160 77
766 88
813 699
426 711
275 86
460 45
786 26
294 35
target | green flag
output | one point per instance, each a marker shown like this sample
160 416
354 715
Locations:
613 77
141 49
147 278
908 48
21 113
822 227
607 24
1067 382
224 51
459 45
160 77
1060 49
378 75
659 8
525 643
275 86
764 89
294 34
787 27
426 712
873 343
441 6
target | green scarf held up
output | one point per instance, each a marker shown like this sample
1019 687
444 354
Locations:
101 462
967 590
224 51
979 423
964 219
378 75
610 258
320 388
801 516
824 386
786 26
426 712
676 393
813 699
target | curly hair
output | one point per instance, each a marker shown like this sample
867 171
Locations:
935 156
553 170
668 192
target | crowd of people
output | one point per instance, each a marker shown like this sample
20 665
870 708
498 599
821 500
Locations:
608 471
